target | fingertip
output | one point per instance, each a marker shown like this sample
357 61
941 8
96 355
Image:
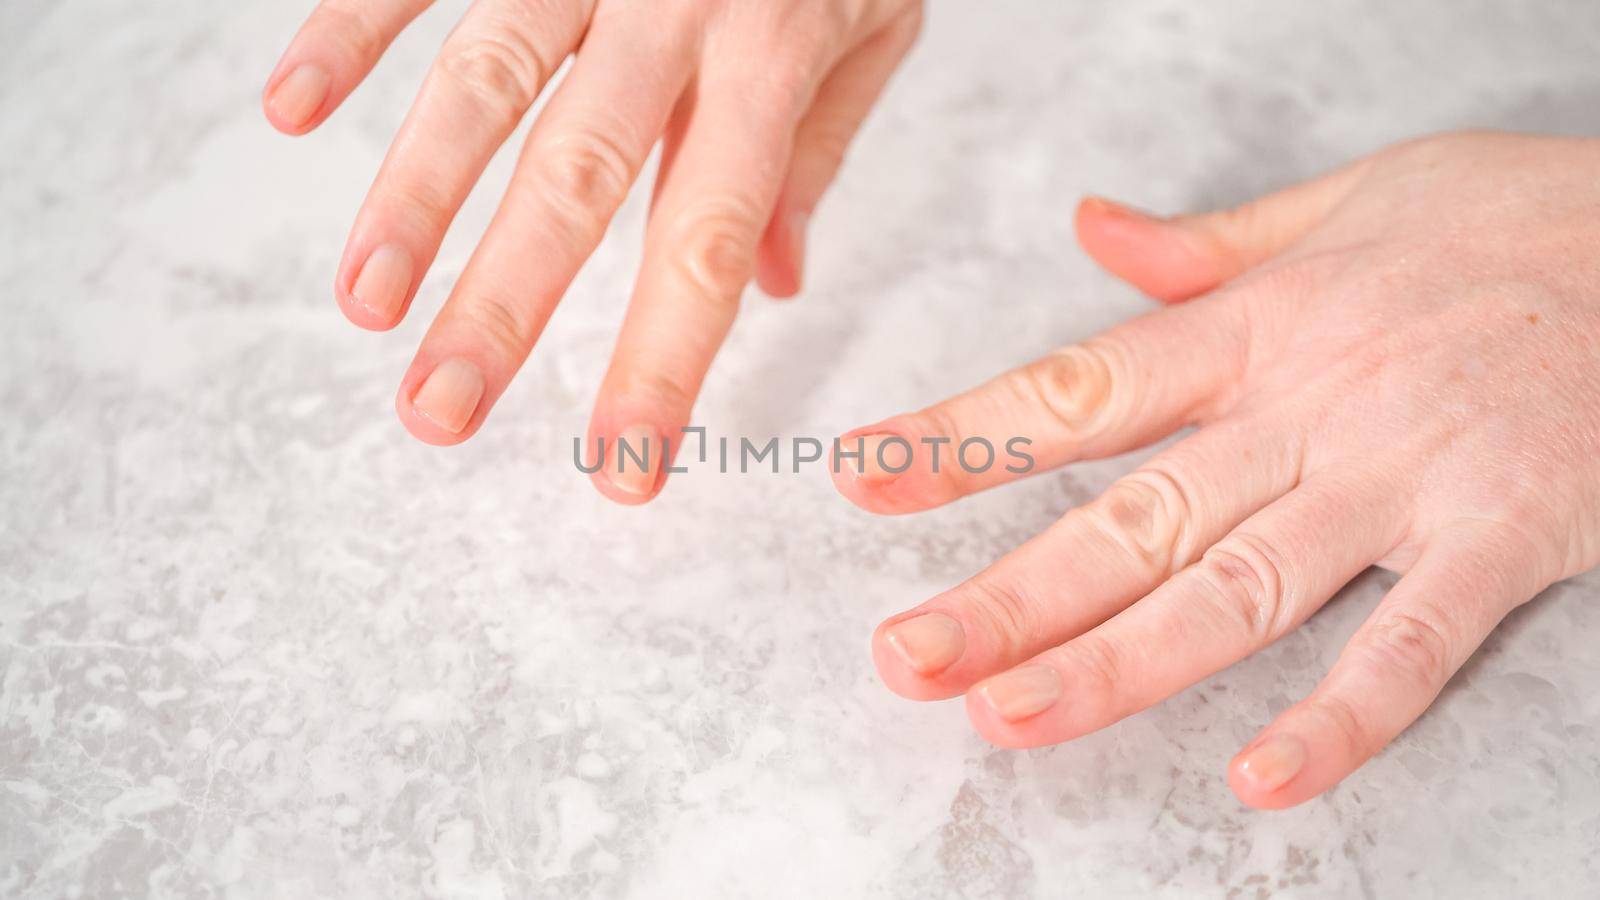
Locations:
360 316
775 278
610 491
375 296
1155 255
425 430
626 455
915 651
1270 772
857 474
780 257
296 98
989 725
443 405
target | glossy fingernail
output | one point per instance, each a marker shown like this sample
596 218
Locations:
450 395
635 460
928 644
298 97
1273 763
1022 692
384 281
884 457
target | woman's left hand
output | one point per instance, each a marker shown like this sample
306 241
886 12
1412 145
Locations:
1396 364
753 103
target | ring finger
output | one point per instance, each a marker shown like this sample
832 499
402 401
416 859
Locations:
715 197
1249 589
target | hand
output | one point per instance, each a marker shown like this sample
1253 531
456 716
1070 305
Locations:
754 101
1397 364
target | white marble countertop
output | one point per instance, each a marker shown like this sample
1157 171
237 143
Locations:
257 642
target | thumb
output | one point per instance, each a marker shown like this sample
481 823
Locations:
1174 259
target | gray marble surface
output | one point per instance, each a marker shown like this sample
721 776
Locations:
257 642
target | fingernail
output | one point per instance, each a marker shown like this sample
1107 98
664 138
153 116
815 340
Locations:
384 281
882 456
1022 692
450 395
298 97
635 459
1273 763
929 643
1113 208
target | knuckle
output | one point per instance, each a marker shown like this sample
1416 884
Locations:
1347 723
1244 579
939 420
585 176
500 322
1072 386
826 143
792 84
1148 512
715 252
1096 664
350 29
424 200
1234 225
1530 532
1411 645
501 68
651 384
1005 611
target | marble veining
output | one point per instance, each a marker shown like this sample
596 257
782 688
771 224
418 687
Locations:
257 642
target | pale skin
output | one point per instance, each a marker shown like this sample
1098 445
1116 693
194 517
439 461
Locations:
1396 364
752 101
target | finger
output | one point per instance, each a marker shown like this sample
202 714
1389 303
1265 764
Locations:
488 74
708 214
1248 590
333 51
583 154
1092 563
1132 385
1186 256
824 134
1435 617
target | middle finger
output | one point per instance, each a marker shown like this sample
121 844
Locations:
583 154
488 74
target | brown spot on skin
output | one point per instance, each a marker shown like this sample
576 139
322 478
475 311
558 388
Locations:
1533 318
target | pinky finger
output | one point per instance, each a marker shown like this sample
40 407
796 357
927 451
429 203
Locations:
1464 583
843 100
333 51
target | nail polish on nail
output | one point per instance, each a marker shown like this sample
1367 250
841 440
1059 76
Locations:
635 459
1273 763
450 395
928 644
298 97
884 458
1022 692
384 281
